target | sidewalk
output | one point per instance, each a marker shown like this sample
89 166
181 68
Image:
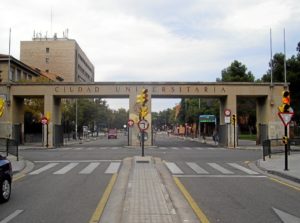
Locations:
276 165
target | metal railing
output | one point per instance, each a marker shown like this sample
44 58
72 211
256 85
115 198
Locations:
9 146
273 146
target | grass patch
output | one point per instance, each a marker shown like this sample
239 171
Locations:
247 137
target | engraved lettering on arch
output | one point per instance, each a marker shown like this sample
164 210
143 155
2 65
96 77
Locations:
79 89
223 90
96 89
205 89
56 89
88 90
118 88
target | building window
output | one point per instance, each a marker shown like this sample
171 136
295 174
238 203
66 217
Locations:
18 77
47 50
47 71
47 60
29 77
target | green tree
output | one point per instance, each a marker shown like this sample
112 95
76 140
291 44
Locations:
236 72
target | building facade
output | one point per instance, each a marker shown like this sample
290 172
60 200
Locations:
15 71
58 55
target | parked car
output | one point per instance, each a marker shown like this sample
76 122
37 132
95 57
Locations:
5 179
112 134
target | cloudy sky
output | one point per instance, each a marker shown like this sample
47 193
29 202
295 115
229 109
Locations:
159 40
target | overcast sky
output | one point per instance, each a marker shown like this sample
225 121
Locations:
159 40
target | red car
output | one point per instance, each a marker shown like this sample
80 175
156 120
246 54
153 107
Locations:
112 134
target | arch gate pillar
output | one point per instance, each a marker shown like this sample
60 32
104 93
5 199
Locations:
229 102
52 110
134 131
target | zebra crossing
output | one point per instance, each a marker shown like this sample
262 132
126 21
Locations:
161 148
85 167
210 169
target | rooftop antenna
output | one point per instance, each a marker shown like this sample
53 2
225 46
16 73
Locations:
284 56
9 76
51 22
271 54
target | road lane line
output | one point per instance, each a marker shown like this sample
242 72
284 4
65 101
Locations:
113 168
11 216
199 213
196 168
221 176
44 168
220 168
284 183
75 161
101 205
173 168
241 168
90 168
66 169
186 148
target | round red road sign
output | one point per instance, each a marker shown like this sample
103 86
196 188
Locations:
227 112
44 120
130 123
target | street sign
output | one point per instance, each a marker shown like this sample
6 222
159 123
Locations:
143 124
44 121
286 117
130 123
227 119
207 118
227 112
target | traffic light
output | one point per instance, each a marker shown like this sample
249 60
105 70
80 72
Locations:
233 119
285 140
286 100
143 112
143 97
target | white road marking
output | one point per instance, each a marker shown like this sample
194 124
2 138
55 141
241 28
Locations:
44 168
113 168
90 168
220 168
199 148
187 148
66 169
114 148
78 148
222 176
244 169
75 161
91 148
286 217
173 168
196 168
11 216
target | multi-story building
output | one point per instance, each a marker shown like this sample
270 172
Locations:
13 70
58 55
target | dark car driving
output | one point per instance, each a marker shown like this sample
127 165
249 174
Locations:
5 179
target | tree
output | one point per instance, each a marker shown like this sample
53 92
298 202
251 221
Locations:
236 72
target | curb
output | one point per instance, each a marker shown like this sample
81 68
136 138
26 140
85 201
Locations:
277 173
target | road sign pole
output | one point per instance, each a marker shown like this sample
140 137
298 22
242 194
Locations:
142 135
47 135
128 134
285 150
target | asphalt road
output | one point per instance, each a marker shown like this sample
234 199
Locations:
67 183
